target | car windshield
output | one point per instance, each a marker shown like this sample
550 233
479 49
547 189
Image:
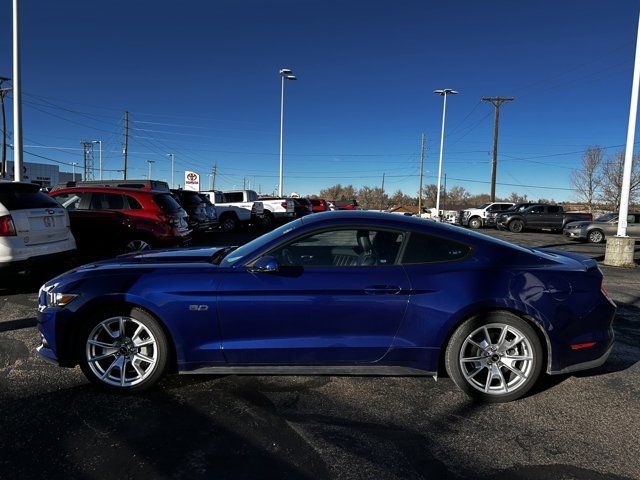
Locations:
607 217
258 243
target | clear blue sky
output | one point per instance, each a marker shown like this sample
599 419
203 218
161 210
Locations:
200 79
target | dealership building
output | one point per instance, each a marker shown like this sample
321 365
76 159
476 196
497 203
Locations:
43 174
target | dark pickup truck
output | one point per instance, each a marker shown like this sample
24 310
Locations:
539 217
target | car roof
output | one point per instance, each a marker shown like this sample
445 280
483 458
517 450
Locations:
130 191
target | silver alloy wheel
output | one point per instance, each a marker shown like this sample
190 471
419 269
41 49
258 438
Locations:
475 223
121 351
596 236
137 246
496 359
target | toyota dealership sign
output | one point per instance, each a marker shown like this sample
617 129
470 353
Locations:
192 181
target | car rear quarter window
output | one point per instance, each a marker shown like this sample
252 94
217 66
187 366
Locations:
166 202
233 197
423 248
553 209
15 196
107 201
133 203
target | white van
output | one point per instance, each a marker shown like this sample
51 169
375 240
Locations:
34 228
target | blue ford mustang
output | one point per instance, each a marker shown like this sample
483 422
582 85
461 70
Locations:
335 293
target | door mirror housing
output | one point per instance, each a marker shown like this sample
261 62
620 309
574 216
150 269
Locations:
266 264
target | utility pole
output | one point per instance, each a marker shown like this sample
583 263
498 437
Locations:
172 168
87 151
3 92
73 169
422 155
214 172
244 183
17 96
126 145
497 103
382 195
149 162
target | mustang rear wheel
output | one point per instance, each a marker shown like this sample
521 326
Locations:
123 350
495 357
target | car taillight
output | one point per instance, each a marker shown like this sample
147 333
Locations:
167 219
7 227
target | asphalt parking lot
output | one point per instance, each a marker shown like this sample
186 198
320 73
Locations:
53 424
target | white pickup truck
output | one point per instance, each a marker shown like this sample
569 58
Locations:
238 207
484 215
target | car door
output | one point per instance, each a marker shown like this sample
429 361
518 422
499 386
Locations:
339 296
535 216
633 225
105 222
77 203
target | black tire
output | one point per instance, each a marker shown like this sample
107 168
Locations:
160 350
267 221
595 236
475 223
229 223
516 226
458 341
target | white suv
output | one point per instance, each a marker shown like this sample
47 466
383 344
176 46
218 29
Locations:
34 228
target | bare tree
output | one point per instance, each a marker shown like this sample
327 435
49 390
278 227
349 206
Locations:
372 198
611 180
338 192
587 179
399 198
515 197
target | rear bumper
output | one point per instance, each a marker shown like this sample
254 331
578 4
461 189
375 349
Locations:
588 365
48 260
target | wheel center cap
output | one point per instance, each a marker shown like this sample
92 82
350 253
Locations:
495 357
124 350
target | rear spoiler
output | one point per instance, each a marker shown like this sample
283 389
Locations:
588 263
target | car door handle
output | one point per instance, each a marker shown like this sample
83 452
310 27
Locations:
382 290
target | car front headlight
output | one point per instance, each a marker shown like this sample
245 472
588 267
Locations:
59 299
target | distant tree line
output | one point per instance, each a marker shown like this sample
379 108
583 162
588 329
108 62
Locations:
598 180
374 198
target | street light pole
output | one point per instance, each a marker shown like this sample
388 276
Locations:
150 162
172 168
17 101
73 169
285 74
99 142
443 93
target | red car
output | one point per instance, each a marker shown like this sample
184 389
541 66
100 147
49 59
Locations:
346 204
118 220
319 205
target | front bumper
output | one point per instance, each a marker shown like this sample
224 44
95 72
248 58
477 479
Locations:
575 233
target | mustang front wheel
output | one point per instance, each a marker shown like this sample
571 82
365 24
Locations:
124 350
494 358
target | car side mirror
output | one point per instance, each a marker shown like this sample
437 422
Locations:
266 264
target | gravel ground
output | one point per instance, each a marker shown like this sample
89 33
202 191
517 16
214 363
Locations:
53 424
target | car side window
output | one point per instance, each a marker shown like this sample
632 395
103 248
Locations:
233 197
106 201
631 218
357 247
423 248
553 209
70 201
538 209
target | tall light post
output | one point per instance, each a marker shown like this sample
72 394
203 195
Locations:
170 155
620 249
17 96
285 74
150 162
73 169
443 93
